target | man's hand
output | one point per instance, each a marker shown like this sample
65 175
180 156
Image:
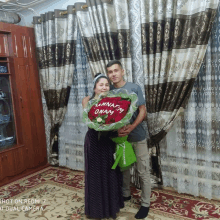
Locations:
85 101
126 130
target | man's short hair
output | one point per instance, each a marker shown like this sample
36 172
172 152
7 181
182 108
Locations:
113 62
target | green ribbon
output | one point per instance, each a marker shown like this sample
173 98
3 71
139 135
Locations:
124 154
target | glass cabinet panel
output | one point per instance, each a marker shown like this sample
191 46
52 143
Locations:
7 126
3 68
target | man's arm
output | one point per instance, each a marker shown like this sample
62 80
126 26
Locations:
128 128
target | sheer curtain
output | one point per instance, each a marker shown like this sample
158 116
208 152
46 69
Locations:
73 130
47 124
134 10
190 153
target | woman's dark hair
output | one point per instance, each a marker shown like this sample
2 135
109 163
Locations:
105 77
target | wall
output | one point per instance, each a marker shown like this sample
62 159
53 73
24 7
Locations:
48 5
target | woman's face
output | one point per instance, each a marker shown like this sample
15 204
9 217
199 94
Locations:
102 86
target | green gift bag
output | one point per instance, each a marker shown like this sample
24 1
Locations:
124 154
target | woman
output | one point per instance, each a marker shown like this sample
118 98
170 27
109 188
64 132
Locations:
103 186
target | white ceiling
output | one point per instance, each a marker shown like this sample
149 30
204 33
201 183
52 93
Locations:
27 9
18 5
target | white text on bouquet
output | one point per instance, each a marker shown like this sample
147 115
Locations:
100 111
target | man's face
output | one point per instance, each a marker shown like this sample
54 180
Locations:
115 73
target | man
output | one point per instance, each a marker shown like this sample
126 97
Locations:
136 136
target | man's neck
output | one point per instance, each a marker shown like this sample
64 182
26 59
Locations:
119 84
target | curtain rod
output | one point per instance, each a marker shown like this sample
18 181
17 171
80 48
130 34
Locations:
65 12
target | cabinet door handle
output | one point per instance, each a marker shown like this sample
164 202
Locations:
21 102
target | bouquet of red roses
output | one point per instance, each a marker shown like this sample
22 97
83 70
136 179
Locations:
111 112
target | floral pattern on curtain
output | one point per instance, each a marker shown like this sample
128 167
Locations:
137 66
104 28
190 153
72 131
55 44
174 39
136 43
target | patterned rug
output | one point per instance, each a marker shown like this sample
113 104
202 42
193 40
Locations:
58 193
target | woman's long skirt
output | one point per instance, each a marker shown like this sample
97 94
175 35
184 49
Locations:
103 186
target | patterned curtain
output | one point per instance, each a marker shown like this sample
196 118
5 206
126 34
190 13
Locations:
72 131
104 28
174 40
190 153
55 41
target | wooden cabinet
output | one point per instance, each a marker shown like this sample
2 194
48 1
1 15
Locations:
27 150
3 45
8 164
